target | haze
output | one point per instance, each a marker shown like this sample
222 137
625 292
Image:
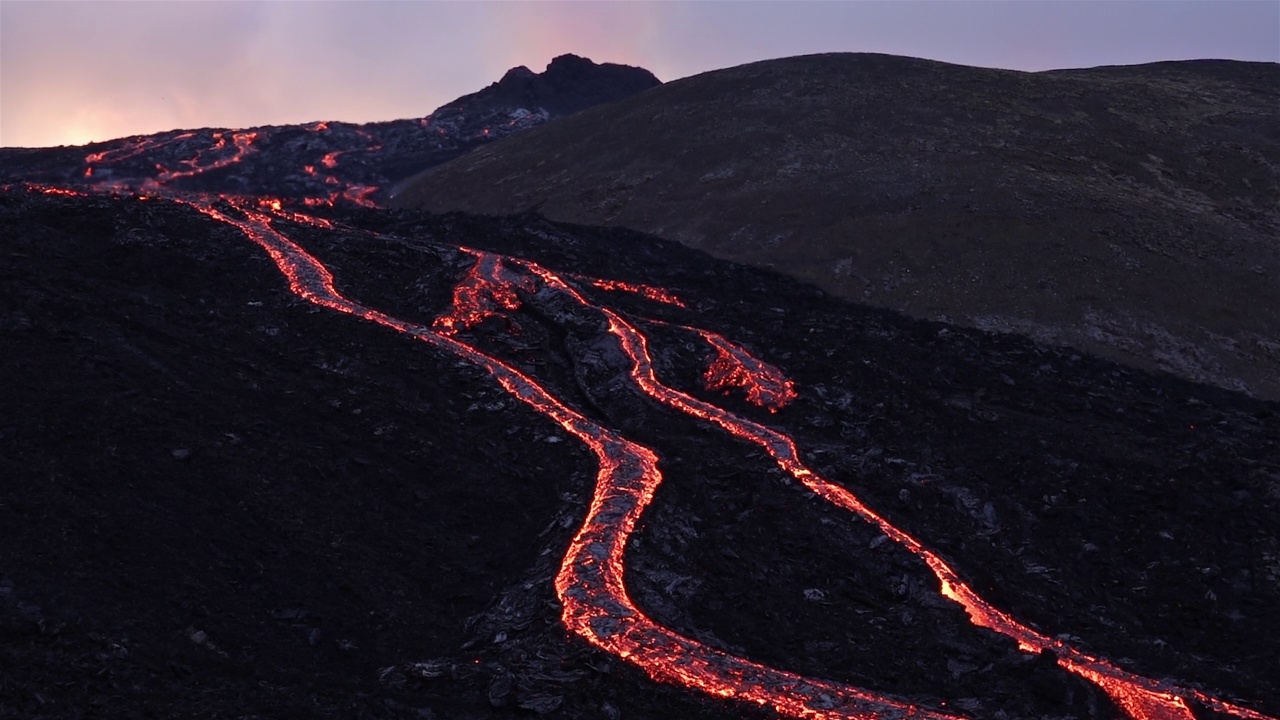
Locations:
75 72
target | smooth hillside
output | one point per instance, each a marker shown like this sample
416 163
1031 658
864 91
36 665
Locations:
1132 212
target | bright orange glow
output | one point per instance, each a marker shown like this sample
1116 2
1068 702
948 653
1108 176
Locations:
734 367
649 292
133 149
1141 698
223 153
243 142
482 294
356 194
50 190
590 584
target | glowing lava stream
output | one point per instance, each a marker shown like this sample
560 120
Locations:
243 142
137 147
590 583
1140 697
357 194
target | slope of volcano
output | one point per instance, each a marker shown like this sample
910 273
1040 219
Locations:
1127 211
229 494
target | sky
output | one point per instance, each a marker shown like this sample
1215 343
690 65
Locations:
78 71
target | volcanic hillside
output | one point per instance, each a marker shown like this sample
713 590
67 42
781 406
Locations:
1131 212
224 498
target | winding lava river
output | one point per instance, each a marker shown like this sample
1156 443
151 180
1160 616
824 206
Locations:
590 583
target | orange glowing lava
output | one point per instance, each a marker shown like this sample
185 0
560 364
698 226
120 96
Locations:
648 292
51 190
361 195
482 294
133 149
1141 698
224 153
589 583
243 143
734 367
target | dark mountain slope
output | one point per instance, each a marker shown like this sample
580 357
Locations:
1128 211
331 160
222 501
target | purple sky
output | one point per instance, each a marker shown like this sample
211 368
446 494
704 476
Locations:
74 72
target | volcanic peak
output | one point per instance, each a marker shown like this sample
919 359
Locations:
569 84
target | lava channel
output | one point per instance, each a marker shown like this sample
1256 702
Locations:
590 581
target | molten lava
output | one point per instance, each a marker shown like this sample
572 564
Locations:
355 194
734 367
589 584
648 292
485 292
50 190
241 141
133 149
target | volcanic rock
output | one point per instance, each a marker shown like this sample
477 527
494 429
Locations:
569 84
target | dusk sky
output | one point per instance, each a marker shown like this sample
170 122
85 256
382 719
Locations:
74 72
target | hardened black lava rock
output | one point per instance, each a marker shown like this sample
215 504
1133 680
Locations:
219 500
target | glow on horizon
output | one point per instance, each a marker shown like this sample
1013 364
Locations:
82 71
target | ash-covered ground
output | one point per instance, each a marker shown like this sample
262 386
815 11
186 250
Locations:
221 501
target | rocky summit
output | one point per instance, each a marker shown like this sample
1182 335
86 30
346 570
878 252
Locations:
1129 212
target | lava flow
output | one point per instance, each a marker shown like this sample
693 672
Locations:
764 384
1140 697
243 143
590 582
648 292
356 194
